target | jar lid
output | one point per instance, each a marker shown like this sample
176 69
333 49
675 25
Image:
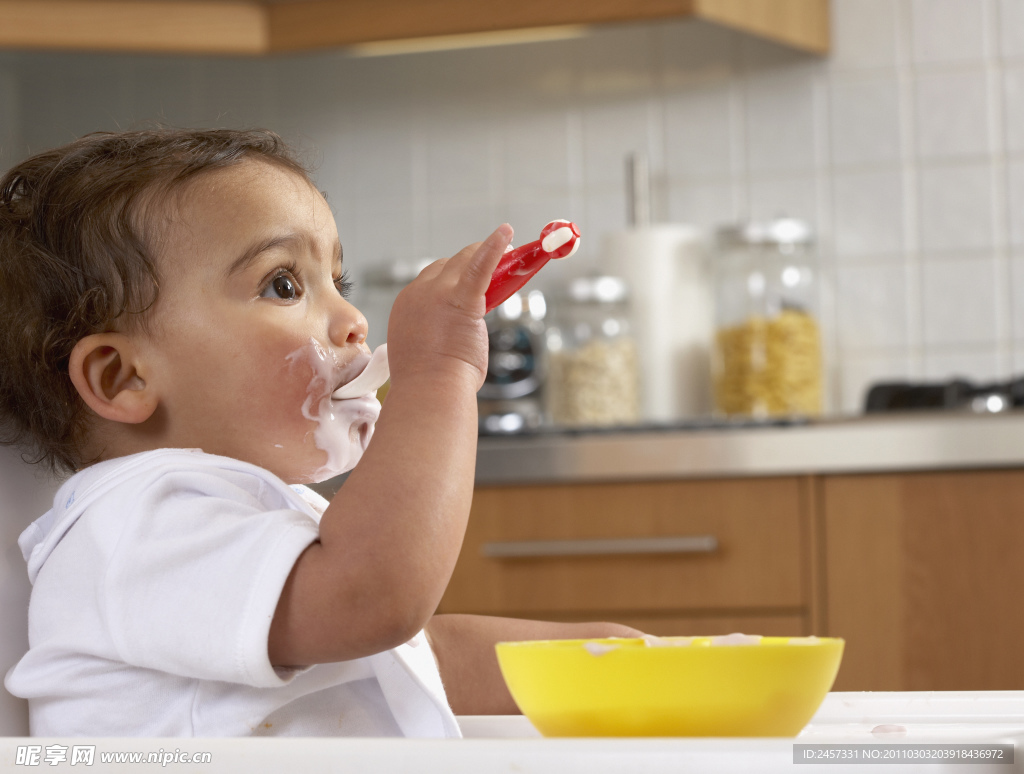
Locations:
532 306
781 231
602 289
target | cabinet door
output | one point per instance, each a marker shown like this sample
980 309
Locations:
593 550
924 580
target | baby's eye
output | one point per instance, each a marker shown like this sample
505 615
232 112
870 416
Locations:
283 286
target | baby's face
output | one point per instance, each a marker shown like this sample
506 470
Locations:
251 331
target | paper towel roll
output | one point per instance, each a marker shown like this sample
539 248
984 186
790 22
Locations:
672 294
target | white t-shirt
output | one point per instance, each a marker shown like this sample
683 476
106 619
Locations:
155 578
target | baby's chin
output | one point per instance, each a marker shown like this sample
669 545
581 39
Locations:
306 463
341 434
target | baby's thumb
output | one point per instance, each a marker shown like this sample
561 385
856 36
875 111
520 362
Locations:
476 276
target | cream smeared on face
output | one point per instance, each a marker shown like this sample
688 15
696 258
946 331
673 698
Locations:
343 427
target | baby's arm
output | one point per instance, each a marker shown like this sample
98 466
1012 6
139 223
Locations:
464 647
389 539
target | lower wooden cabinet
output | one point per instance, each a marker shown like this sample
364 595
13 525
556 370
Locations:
921 573
925 579
672 557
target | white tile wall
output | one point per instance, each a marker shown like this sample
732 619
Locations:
865 118
976 364
864 34
791 196
699 144
1013 90
945 31
535 150
945 133
1010 14
612 129
780 130
706 205
872 316
905 147
1016 279
956 207
958 308
869 216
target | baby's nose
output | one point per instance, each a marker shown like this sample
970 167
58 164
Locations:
348 325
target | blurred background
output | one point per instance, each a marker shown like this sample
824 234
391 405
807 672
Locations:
903 148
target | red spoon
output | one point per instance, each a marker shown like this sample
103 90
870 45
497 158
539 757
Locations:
558 239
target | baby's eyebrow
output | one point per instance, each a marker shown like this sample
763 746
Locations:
245 259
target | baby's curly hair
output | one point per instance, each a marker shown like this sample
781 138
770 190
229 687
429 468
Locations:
75 257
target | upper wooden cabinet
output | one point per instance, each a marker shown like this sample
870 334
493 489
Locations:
267 26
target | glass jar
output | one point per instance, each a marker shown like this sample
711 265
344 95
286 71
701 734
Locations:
767 356
592 358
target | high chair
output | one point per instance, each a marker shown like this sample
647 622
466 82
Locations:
25 494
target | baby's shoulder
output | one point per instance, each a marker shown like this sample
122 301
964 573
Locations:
168 499
174 476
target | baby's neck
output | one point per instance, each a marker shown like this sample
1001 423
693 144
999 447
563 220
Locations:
106 440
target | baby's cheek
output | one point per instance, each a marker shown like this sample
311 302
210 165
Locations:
285 400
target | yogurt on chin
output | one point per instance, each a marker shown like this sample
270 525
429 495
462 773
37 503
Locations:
343 427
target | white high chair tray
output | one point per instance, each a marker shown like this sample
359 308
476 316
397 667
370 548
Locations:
511 744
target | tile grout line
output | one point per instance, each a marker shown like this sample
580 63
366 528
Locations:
916 351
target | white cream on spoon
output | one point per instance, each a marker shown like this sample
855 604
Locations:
370 379
561 236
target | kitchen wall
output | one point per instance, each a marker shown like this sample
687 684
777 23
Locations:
905 148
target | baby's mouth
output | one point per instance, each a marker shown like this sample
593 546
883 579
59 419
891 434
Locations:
351 370
371 376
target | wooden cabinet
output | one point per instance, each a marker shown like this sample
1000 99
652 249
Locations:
270 26
921 573
679 557
925 579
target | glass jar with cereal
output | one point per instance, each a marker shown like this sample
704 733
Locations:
592 358
767 355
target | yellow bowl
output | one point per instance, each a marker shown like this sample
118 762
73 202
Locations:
700 686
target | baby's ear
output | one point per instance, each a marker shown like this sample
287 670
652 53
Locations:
105 370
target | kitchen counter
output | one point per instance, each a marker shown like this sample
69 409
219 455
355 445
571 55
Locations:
869 444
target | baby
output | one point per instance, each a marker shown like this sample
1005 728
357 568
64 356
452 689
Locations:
173 323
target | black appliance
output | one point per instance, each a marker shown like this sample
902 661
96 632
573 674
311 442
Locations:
953 395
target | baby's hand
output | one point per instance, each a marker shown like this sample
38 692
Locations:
436 327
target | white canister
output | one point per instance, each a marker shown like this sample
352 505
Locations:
673 314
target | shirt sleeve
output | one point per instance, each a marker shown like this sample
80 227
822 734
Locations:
194 579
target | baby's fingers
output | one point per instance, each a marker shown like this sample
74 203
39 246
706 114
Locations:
476 268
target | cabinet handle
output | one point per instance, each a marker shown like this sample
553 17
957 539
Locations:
528 549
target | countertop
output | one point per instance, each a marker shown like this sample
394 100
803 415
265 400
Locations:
869 444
